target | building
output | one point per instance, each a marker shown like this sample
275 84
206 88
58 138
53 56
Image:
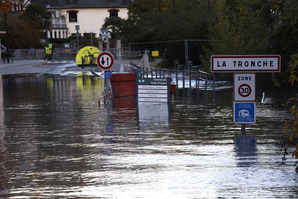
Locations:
84 16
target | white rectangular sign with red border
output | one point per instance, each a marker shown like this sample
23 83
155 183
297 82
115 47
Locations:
245 63
244 87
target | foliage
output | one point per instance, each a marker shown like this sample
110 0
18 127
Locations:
114 25
290 135
23 32
171 22
293 68
40 14
257 27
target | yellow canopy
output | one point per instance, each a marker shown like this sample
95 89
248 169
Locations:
87 56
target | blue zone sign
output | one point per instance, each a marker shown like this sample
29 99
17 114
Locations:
244 112
108 74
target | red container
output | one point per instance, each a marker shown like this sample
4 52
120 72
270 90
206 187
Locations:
123 84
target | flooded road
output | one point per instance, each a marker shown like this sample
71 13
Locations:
56 142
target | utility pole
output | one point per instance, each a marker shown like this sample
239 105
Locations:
77 29
186 54
91 38
7 39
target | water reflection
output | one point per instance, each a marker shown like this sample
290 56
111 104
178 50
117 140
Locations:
246 154
55 141
3 171
153 115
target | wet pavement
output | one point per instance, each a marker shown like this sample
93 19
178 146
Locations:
54 67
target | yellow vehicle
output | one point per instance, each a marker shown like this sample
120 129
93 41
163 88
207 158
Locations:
87 56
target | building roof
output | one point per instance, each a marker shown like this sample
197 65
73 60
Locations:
66 4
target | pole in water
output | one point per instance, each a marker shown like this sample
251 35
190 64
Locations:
243 129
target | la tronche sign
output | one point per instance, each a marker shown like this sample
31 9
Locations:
245 63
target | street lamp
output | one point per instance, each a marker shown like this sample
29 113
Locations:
77 29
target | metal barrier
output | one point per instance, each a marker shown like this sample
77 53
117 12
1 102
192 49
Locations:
188 83
57 54
29 54
124 53
68 54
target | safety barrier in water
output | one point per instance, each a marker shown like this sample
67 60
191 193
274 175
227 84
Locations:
188 83
67 54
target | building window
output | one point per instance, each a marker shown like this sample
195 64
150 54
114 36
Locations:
73 15
113 12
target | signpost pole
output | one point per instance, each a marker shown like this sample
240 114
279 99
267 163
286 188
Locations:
105 61
243 129
186 54
107 90
244 67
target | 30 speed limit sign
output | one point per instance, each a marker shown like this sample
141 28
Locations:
244 87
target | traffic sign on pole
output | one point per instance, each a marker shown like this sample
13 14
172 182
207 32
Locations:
108 74
244 87
105 35
244 112
105 60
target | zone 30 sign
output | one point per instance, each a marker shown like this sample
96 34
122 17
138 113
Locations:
244 87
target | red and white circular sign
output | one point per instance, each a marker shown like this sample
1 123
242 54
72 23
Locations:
244 90
105 60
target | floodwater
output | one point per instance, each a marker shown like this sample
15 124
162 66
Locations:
57 142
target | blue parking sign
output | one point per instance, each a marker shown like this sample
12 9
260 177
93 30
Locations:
244 112
108 74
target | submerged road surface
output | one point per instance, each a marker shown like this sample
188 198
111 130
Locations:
51 67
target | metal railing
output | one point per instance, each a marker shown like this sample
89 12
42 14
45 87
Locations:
188 83
69 54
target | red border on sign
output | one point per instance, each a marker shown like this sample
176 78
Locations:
245 56
100 65
234 94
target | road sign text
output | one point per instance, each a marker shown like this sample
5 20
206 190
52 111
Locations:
251 63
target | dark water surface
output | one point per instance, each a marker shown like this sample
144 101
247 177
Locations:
56 142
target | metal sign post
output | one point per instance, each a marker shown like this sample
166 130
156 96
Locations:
244 67
105 38
105 61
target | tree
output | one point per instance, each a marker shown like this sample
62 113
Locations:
24 33
290 135
257 27
169 20
39 14
114 25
